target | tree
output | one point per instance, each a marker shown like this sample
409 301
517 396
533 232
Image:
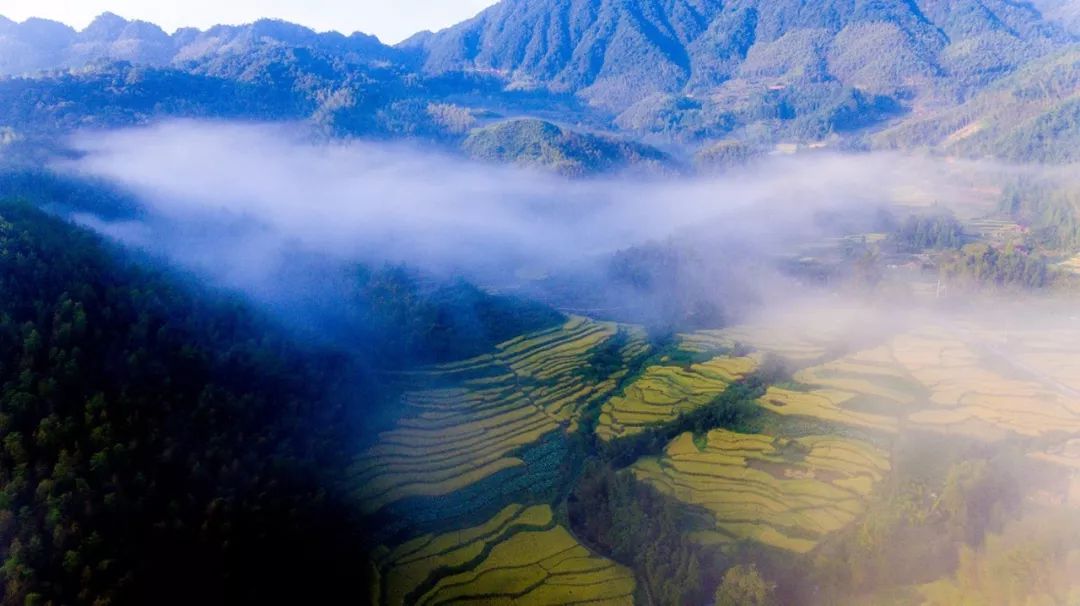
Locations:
744 586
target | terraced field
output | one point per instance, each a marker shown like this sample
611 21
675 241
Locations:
787 494
663 393
800 337
520 557
995 230
790 346
865 389
472 416
968 397
1071 265
1066 455
1050 353
472 428
960 381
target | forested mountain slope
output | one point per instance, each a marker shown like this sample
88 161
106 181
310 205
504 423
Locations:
165 443
1065 12
616 53
669 72
1030 116
158 447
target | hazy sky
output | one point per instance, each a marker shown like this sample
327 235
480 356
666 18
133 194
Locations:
391 20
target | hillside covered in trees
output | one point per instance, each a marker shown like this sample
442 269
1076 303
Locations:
965 77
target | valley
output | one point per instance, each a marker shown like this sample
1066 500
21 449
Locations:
575 302
776 440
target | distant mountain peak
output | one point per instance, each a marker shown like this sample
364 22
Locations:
105 25
106 19
41 45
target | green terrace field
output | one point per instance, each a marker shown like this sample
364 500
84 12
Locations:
520 556
667 390
788 494
663 393
465 421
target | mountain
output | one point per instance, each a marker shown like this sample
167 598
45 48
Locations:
824 380
168 443
115 382
38 44
33 45
616 53
842 73
1030 116
1065 12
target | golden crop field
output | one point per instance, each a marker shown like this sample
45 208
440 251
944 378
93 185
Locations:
761 338
968 397
961 380
1071 265
801 336
466 426
520 557
785 493
834 391
663 393
1066 455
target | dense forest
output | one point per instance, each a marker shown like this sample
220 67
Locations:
981 265
168 444
1048 208
928 232
160 447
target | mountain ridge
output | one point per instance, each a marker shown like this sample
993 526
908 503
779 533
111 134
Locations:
617 53
110 37
854 74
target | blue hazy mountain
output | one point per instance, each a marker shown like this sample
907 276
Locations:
38 44
616 53
697 72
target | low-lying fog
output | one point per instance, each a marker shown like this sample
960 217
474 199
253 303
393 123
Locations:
281 216
277 213
248 193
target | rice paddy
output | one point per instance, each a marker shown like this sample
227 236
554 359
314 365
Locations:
1066 455
960 381
520 556
1070 265
466 425
801 337
969 397
865 389
469 428
663 393
826 405
784 493
788 345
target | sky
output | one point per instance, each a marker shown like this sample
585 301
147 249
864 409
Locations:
391 20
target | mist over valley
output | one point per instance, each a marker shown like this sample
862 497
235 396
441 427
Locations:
578 301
